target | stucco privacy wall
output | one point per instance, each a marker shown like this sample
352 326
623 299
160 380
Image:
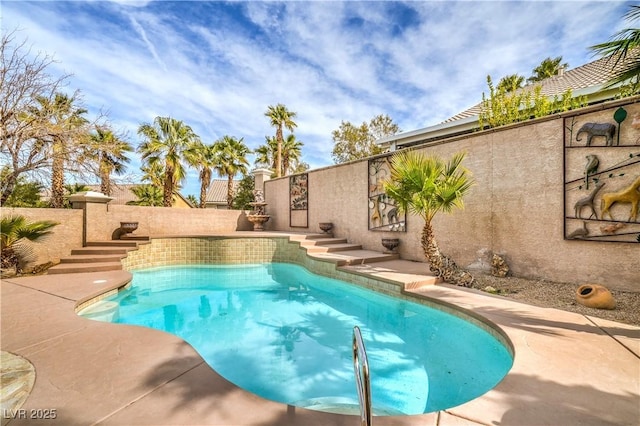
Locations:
515 209
66 236
104 219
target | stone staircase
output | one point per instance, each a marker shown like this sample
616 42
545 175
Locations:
338 250
97 256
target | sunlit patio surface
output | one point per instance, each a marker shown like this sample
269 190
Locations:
569 369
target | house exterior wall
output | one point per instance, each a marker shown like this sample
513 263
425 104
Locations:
515 209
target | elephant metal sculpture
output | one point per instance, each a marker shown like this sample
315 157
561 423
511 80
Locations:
597 129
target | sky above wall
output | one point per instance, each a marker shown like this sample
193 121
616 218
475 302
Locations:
217 66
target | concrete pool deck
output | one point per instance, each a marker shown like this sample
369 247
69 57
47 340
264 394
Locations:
569 369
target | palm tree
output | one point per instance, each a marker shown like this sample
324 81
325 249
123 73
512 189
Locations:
266 154
425 186
15 229
547 68
165 142
510 83
280 117
291 153
620 48
153 173
203 158
61 121
109 151
231 158
148 195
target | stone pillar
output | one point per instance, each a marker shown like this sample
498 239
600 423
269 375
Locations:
94 209
261 176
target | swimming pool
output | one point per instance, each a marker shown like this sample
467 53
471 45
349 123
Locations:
281 332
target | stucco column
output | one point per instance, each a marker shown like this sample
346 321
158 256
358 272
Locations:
94 209
261 176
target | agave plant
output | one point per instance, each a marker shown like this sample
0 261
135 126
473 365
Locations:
15 232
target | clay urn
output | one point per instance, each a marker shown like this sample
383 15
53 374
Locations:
595 296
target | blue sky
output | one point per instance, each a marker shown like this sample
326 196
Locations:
218 65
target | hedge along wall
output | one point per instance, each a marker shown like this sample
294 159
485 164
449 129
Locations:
66 236
515 209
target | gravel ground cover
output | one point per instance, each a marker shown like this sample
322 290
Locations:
557 295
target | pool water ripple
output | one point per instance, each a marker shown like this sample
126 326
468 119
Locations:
281 332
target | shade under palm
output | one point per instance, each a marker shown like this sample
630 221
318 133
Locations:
426 185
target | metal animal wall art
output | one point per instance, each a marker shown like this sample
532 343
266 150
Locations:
588 202
606 130
629 195
591 167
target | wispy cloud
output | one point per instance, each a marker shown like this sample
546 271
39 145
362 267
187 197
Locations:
218 65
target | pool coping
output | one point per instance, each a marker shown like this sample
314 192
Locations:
568 368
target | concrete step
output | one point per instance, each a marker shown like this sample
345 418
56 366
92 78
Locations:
307 237
322 241
131 237
93 258
331 248
74 268
354 257
112 243
101 250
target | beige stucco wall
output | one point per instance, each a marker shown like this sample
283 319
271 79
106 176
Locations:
516 207
66 236
104 219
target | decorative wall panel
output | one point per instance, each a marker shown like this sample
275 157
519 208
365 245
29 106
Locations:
383 214
299 201
602 176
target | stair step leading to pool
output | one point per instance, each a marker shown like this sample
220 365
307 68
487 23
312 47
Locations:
93 258
354 257
322 241
332 248
131 237
112 243
75 268
101 250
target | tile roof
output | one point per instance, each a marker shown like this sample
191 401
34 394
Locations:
595 73
217 193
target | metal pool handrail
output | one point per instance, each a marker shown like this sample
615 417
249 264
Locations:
362 377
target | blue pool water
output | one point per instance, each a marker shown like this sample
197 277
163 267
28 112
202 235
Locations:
284 333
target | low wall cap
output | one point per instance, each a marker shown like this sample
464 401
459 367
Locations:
89 197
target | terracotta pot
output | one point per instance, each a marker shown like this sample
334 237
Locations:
595 296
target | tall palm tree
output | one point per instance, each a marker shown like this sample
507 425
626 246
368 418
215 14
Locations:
291 153
165 143
147 195
547 68
620 49
13 229
510 83
153 173
280 117
109 151
203 158
231 158
62 121
425 186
